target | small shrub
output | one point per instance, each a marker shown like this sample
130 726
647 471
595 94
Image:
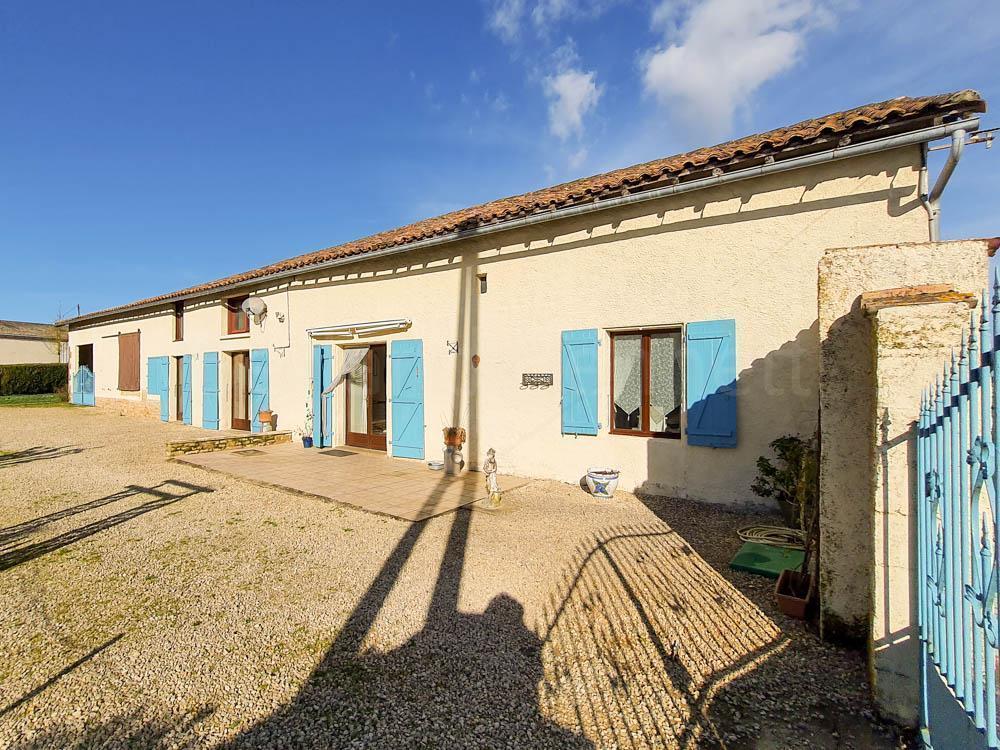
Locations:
18 380
794 481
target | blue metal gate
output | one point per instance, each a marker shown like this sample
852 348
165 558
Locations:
83 387
957 447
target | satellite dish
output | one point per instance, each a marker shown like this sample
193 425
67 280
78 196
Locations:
254 306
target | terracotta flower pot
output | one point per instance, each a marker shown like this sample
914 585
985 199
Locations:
454 437
793 593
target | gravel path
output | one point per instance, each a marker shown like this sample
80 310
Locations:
144 603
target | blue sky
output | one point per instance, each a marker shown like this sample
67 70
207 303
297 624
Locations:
145 147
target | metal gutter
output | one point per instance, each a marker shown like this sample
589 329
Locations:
915 137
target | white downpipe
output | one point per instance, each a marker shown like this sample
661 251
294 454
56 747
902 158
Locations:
932 200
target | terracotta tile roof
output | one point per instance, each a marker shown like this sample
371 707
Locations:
22 330
820 133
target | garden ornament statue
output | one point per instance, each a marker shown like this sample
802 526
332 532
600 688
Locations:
492 483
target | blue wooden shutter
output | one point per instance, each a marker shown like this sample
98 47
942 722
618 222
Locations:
163 381
408 398
322 406
711 383
186 387
210 392
259 396
579 382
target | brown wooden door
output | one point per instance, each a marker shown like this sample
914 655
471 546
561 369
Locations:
241 390
367 401
179 388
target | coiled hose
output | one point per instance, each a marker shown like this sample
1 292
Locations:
776 536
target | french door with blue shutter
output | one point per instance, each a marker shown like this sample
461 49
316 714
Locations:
186 400
210 391
240 393
322 404
260 389
367 401
408 398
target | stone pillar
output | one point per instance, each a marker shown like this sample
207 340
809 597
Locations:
848 430
913 334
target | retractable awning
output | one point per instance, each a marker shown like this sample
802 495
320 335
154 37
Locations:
350 330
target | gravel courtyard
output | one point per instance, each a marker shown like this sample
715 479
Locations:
144 603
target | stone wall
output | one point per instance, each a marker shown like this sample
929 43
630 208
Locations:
848 401
207 445
148 408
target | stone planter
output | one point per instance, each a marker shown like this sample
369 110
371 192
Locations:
602 481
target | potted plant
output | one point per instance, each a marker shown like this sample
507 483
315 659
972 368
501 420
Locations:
794 483
454 461
454 437
307 428
266 417
602 481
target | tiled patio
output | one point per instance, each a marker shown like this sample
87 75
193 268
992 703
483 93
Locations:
364 479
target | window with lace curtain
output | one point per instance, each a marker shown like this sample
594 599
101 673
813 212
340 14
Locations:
646 383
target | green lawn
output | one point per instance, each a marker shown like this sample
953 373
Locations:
41 399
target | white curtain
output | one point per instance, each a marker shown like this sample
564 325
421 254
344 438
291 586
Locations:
352 358
628 373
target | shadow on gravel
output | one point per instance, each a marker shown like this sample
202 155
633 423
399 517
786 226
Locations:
132 730
463 681
641 637
12 553
38 453
60 674
11 533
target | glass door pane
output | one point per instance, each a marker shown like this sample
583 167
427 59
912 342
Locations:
379 397
357 396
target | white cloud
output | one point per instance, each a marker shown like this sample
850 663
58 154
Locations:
572 93
505 18
717 53
577 158
547 12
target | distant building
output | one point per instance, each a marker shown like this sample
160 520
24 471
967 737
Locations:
30 343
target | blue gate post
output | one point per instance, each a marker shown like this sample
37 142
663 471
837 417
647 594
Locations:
940 568
986 678
975 426
964 547
923 497
992 572
947 524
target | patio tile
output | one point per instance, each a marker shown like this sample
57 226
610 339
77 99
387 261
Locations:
364 479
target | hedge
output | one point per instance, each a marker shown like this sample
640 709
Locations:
24 380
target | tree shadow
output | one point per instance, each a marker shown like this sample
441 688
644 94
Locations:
36 453
13 554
